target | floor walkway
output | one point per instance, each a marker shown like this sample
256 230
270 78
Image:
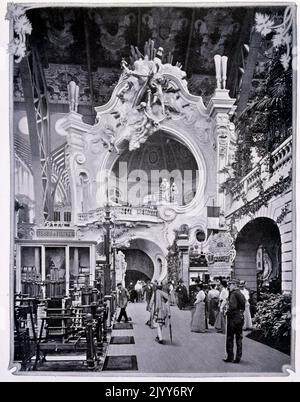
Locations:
190 353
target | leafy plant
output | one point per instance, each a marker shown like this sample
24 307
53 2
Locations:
273 320
267 120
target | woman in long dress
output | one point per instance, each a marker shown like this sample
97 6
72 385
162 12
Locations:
213 304
220 319
247 314
198 314
172 294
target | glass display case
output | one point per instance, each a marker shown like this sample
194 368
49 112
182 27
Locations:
55 264
51 270
30 275
80 271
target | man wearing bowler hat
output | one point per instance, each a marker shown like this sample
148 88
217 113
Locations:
235 322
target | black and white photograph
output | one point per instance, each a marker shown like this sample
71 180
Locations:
152 190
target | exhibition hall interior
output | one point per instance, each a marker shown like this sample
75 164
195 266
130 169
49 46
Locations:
152 155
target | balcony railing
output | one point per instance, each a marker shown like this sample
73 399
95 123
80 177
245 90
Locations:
282 154
118 212
264 175
57 224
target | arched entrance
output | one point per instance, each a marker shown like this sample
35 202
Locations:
258 255
145 260
139 266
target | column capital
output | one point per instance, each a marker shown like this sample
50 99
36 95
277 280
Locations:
221 103
73 123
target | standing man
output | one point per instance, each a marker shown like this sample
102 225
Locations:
235 322
181 295
122 301
148 290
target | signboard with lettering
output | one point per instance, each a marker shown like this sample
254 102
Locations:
220 249
55 233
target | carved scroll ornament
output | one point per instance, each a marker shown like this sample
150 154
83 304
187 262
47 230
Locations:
147 95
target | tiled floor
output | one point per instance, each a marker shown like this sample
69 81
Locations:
190 353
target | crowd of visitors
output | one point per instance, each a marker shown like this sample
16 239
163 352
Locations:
218 305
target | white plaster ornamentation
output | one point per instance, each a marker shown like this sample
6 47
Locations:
221 248
222 135
167 213
147 96
150 95
80 158
22 27
73 95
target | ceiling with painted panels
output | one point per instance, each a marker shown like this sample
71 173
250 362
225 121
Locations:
87 45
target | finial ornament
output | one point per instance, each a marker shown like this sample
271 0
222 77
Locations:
221 70
73 93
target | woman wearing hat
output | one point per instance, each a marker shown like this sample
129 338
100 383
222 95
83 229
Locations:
198 314
220 319
213 303
247 314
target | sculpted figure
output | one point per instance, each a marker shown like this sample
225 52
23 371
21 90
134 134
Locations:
173 193
164 190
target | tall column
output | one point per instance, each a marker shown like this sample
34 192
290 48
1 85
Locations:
183 245
31 213
67 258
92 264
25 182
44 270
107 240
37 263
17 186
185 267
76 262
20 179
26 77
113 276
220 109
18 269
76 130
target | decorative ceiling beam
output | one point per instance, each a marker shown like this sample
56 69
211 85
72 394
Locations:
139 27
189 40
88 56
236 58
246 84
26 78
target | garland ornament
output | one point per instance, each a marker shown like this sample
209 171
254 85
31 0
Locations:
264 24
284 211
22 27
253 206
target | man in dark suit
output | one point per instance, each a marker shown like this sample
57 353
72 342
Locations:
235 322
181 294
122 301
